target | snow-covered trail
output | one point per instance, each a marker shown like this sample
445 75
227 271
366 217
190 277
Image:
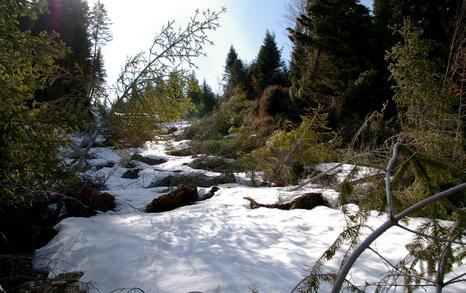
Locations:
219 245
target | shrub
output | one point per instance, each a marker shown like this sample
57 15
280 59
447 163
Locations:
138 119
231 113
286 152
275 100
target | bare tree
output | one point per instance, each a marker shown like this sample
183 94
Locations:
294 9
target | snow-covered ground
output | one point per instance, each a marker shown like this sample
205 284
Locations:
218 245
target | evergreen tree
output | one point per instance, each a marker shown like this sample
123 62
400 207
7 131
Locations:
100 35
268 67
428 109
383 19
99 68
235 73
70 19
436 19
331 60
194 91
209 98
31 138
175 87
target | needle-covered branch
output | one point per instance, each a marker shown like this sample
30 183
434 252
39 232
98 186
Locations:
171 49
393 221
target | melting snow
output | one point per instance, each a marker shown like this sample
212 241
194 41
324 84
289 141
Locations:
219 245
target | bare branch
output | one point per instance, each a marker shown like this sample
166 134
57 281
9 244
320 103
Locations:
393 221
388 180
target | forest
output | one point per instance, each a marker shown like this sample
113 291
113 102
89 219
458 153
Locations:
340 170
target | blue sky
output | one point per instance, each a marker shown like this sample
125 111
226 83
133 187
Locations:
136 22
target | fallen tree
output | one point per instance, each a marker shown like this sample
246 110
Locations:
183 196
306 201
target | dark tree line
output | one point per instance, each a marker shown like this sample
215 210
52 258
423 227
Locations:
339 61
84 31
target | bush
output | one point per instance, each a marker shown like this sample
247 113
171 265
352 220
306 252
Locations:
287 152
232 113
32 133
275 100
138 119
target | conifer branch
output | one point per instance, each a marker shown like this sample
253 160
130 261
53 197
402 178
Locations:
393 221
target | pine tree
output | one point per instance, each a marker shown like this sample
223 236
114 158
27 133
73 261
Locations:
436 19
70 19
99 68
268 67
209 98
427 108
30 137
100 36
235 73
331 58
194 91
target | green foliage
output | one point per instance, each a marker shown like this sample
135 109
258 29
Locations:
100 35
208 98
415 178
32 132
287 151
235 74
268 67
332 50
194 94
70 20
276 100
231 113
427 106
138 120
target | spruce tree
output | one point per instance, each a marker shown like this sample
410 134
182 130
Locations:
208 98
436 19
235 73
194 91
70 19
331 60
100 35
268 67
31 138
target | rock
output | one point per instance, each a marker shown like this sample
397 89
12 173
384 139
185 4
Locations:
63 283
181 152
197 179
148 160
169 130
42 235
130 165
212 163
307 201
108 164
87 201
131 174
209 194
183 196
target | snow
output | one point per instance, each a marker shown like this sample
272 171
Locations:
218 245
342 172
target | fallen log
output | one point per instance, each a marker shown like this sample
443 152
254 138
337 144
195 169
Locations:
306 201
183 196
209 194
